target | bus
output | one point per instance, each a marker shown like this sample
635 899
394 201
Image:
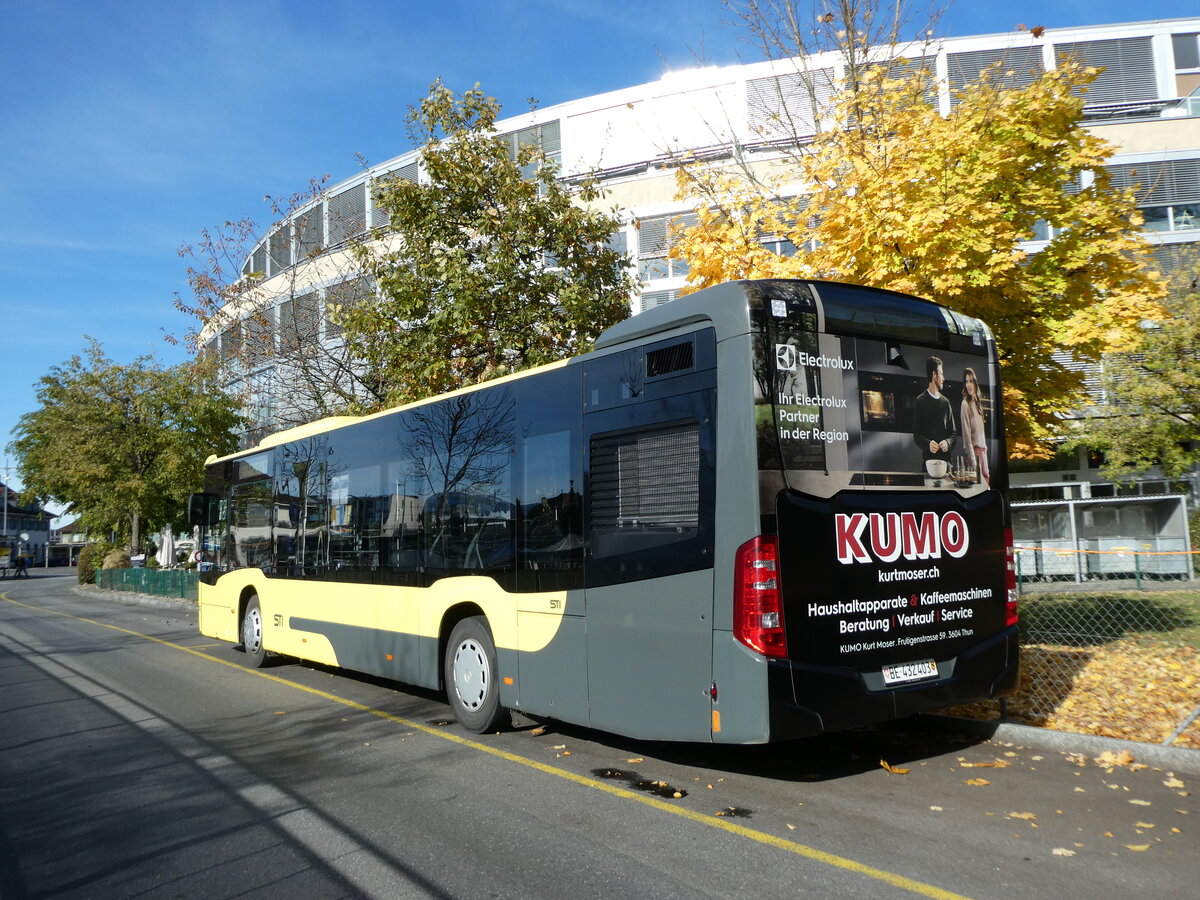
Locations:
725 523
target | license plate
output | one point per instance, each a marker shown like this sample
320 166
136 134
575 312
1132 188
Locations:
914 671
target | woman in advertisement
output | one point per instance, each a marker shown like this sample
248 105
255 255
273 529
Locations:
973 428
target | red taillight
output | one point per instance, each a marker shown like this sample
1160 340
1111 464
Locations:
757 602
1010 579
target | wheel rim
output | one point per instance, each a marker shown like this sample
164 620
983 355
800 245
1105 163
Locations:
472 674
252 630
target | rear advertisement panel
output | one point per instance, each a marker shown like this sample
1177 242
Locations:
881 455
890 577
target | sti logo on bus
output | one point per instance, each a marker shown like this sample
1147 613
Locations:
890 536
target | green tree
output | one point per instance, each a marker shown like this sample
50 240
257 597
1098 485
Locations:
123 445
890 192
1152 413
489 265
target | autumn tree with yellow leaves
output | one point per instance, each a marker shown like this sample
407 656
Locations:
893 194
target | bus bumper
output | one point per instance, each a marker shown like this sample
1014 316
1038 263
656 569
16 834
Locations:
807 699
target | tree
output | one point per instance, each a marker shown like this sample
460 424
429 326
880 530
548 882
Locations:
123 445
1152 414
891 193
489 266
308 378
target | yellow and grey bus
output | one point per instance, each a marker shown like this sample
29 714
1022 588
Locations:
763 511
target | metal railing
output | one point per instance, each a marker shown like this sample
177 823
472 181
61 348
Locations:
1140 565
180 583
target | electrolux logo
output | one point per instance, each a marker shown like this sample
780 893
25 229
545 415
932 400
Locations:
785 357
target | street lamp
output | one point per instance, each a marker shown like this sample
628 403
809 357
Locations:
6 468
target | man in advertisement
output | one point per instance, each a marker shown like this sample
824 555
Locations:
934 431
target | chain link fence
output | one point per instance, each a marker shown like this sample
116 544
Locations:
1110 644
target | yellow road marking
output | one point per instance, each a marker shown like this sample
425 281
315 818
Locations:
761 837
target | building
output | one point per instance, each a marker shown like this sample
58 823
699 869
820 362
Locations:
24 529
1146 103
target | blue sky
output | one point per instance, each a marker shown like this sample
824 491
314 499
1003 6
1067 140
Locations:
126 127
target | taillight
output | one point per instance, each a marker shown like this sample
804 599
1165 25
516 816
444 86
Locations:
757 602
1010 579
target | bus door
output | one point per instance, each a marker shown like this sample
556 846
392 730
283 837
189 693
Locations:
650 470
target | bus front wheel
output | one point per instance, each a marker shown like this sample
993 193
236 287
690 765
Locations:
252 633
470 669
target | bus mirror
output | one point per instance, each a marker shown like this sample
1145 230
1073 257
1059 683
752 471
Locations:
202 509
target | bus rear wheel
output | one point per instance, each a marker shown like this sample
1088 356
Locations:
252 633
472 686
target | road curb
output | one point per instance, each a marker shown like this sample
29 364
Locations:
1174 759
133 598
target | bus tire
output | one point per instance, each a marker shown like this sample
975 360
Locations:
252 633
470 671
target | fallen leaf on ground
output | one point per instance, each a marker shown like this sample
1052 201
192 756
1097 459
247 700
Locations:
1110 758
1140 802
1137 848
978 782
1022 815
535 732
895 770
1062 851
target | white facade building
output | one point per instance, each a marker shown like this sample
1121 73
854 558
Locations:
1146 103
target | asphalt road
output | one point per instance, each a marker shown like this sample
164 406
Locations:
138 758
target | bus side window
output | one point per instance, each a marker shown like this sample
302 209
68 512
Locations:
251 525
647 488
550 525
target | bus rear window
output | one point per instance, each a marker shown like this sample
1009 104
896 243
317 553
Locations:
862 312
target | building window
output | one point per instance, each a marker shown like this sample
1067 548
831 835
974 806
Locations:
790 105
258 260
780 246
299 322
280 248
1187 57
1183 217
343 296
1128 65
259 335
310 232
656 236
231 341
347 214
651 299
546 136
1167 192
1018 67
407 172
